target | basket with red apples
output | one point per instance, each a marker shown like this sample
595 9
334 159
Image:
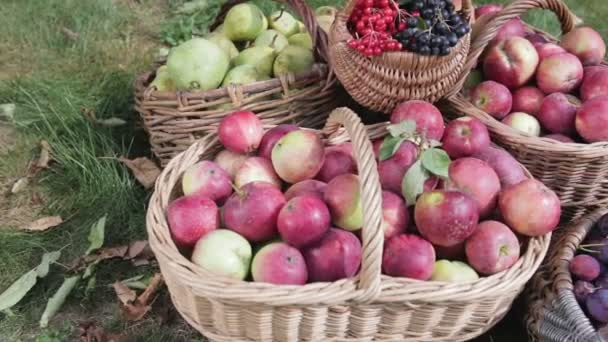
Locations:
280 234
544 99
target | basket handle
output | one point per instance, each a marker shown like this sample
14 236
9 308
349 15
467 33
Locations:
301 8
486 29
371 199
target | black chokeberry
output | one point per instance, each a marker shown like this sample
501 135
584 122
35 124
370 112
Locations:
425 50
455 20
435 51
445 51
424 38
418 5
435 41
461 30
452 38
442 28
412 22
427 13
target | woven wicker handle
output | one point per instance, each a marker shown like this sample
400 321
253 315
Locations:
486 29
301 8
371 199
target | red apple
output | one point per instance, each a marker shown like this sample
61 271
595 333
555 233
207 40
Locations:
409 256
256 169
492 248
523 122
271 137
303 220
560 138
342 196
230 161
586 43
512 28
528 100
190 218
487 9
337 162
548 49
537 39
241 132
507 168
511 62
493 98
208 179
530 208
427 117
595 85
558 112
278 263
464 137
336 256
392 170
298 155
561 73
253 211
446 218
477 179
395 216
592 120
310 187
589 71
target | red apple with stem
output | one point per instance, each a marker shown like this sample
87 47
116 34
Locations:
303 220
512 62
586 43
493 98
298 155
241 132
477 179
192 217
280 264
464 137
208 179
428 118
559 73
492 248
271 137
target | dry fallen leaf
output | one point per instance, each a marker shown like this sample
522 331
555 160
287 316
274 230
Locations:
45 155
136 251
69 33
124 293
136 310
144 170
44 223
89 332
20 185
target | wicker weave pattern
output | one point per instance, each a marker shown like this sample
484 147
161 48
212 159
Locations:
578 173
368 307
381 83
555 315
174 121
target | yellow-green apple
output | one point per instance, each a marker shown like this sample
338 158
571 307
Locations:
223 252
279 263
310 187
523 122
477 179
303 220
446 217
409 256
208 179
507 168
493 98
558 113
191 217
298 155
336 256
595 85
592 120
548 49
256 169
392 170
230 161
586 43
511 62
465 136
241 132
395 216
343 197
559 73
528 100
453 272
337 162
271 137
252 211
492 248
560 138
530 208
427 117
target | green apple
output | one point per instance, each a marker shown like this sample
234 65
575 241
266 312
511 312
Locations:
261 57
226 44
223 252
273 39
301 39
284 22
301 27
295 59
163 81
243 22
241 74
453 272
198 64
325 22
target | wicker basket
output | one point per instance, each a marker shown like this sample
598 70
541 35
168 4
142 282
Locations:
381 83
368 307
555 315
578 173
175 120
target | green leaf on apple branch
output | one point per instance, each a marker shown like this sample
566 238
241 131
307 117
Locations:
57 300
436 161
14 293
389 147
405 129
412 184
96 236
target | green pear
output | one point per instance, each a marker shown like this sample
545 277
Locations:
301 27
163 81
284 22
453 272
301 39
326 10
325 22
226 44
241 74
243 22
219 29
197 64
295 59
273 39
261 57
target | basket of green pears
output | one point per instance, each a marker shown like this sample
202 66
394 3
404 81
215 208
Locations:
272 64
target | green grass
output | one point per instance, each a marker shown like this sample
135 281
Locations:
52 78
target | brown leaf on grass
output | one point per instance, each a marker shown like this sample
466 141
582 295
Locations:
44 224
109 122
45 155
144 170
137 309
89 332
20 185
136 250
124 293
70 34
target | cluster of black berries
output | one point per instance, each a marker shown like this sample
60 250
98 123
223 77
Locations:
433 27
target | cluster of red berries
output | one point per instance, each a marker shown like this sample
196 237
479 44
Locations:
374 23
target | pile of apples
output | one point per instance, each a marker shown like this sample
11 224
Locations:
541 88
286 209
248 47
